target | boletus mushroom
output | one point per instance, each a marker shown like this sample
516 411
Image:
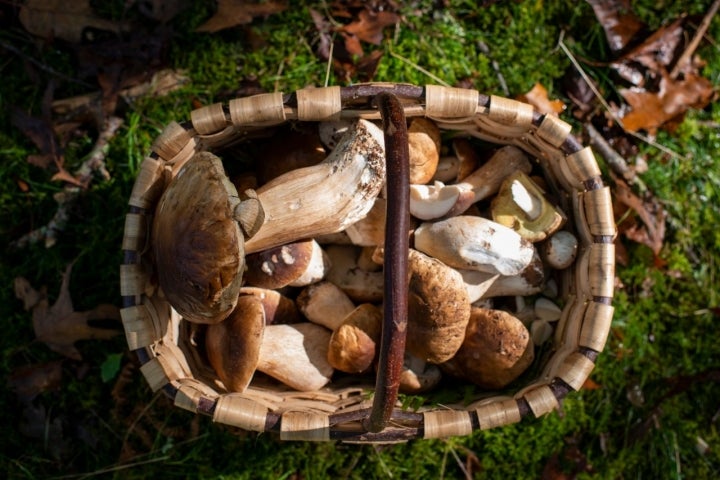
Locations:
198 239
497 349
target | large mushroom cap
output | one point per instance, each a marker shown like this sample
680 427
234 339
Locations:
197 243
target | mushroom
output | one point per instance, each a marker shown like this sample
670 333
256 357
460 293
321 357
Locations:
546 310
325 304
233 345
497 349
327 197
467 157
521 205
540 332
438 309
353 344
277 307
418 376
529 281
296 264
361 286
447 169
370 231
475 243
424 149
560 249
439 200
198 239
331 132
296 355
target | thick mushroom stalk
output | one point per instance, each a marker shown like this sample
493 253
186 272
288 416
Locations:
323 198
439 200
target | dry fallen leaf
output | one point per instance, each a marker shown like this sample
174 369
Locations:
370 24
538 98
66 20
59 326
231 13
29 381
651 230
619 22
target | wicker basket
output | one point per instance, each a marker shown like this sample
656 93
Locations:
337 412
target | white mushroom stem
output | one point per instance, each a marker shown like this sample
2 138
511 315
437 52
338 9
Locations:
325 303
316 269
370 230
487 285
324 198
361 286
546 309
475 243
296 355
439 200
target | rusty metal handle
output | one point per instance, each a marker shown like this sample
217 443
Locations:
397 244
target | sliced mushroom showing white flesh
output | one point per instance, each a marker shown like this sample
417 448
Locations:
324 198
428 202
475 243
521 205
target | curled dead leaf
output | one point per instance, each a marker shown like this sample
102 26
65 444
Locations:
538 98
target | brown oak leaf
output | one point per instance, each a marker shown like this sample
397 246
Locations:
69 21
59 326
231 13
538 98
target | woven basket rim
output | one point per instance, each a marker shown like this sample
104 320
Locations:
571 168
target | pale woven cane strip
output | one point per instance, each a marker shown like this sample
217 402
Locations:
599 213
510 112
601 266
132 280
139 328
208 119
262 109
498 414
143 193
135 232
189 393
575 370
171 141
553 130
446 423
565 338
541 401
596 326
583 164
154 374
449 102
319 104
218 139
172 361
305 426
183 155
238 411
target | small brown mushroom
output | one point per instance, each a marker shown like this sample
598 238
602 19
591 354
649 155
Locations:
424 149
497 349
560 249
370 231
198 242
353 344
296 264
233 345
277 307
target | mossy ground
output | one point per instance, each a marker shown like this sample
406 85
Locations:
664 328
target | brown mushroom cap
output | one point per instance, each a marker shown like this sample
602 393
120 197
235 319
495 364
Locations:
353 344
496 350
197 243
280 266
233 345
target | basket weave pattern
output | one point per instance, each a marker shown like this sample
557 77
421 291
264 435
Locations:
154 330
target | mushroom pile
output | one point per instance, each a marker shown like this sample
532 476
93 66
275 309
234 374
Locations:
279 269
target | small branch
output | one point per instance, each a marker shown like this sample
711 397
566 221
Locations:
69 195
613 159
695 42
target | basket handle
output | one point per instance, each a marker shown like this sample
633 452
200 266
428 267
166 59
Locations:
397 244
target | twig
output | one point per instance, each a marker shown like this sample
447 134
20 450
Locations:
434 77
486 51
69 195
605 105
695 42
614 160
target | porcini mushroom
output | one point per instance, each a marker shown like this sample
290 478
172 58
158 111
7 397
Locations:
198 241
327 197
277 307
418 376
560 249
475 243
296 264
428 202
353 344
438 309
361 286
233 345
521 205
497 349
424 149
